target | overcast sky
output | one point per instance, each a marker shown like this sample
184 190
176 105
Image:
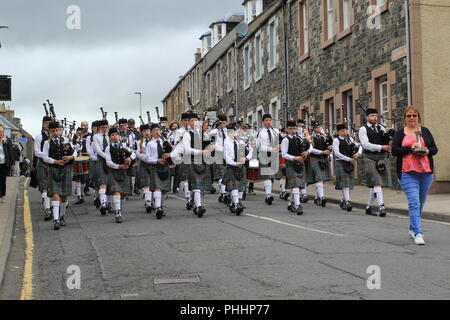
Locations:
122 47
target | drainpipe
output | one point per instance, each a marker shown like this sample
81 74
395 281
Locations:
408 53
236 77
286 63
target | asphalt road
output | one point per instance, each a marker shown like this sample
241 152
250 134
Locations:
268 253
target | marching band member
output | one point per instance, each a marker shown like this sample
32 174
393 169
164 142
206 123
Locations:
178 152
79 142
59 153
119 159
101 142
236 173
93 167
295 150
159 175
320 162
144 169
220 133
41 166
375 166
347 154
267 142
302 132
283 194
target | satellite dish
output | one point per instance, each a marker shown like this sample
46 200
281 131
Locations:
242 29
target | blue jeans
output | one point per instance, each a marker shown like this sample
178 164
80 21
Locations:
416 186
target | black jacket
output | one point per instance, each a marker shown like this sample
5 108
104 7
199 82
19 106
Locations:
399 151
9 153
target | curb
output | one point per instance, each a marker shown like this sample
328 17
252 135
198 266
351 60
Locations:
6 238
425 215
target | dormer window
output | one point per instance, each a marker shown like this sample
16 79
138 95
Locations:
253 8
206 43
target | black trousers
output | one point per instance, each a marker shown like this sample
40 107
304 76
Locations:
3 174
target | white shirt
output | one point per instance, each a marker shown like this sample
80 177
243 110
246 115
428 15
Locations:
187 143
340 156
90 149
151 153
98 144
365 141
179 134
265 143
229 151
2 153
108 158
46 156
37 146
220 138
145 142
285 149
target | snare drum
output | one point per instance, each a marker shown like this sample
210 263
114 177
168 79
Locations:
81 166
253 171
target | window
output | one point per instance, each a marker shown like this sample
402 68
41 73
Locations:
219 32
219 79
247 74
253 13
230 70
330 19
303 24
208 89
258 58
383 92
346 14
347 108
274 111
272 45
328 26
383 5
329 114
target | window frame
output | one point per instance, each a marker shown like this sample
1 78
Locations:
272 61
304 29
247 66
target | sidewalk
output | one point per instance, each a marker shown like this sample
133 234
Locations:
7 219
437 206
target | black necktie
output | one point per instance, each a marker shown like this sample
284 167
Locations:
160 149
270 136
374 128
235 151
105 143
223 136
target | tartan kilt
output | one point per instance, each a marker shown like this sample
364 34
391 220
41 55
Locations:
318 174
144 175
198 181
369 174
63 187
103 177
309 173
94 169
343 179
264 177
42 176
219 171
293 178
184 171
124 186
156 182
232 183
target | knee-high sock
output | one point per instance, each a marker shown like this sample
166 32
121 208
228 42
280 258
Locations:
241 195
379 195
197 198
346 194
55 205
78 188
147 196
187 193
222 187
235 196
268 187
103 197
63 207
296 196
46 200
116 202
157 196
110 199
303 191
319 189
371 198
283 185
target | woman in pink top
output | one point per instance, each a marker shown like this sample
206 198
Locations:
414 167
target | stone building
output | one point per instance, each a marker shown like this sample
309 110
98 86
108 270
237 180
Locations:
295 58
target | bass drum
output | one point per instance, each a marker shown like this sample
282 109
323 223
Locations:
253 171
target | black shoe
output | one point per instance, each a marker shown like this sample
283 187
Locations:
369 212
110 208
227 200
348 206
269 200
284 195
159 213
221 198
148 207
56 225
317 201
239 209
201 211
103 209
323 202
118 216
304 198
299 210
212 191
189 205
290 207
233 208
342 204
80 200
382 211
48 215
62 222
97 203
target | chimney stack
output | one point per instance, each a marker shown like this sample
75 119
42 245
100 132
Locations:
198 55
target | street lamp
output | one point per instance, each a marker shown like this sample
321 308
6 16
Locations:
140 102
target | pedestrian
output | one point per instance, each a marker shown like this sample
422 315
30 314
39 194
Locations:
16 155
414 148
6 162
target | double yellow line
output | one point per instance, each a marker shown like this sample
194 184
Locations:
27 282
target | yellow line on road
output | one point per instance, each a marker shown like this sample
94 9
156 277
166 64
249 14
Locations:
426 220
27 283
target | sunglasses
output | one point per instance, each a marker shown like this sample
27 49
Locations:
412 116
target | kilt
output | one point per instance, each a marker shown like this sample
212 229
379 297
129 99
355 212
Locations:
264 177
103 177
123 185
293 178
343 179
309 173
156 182
232 183
42 175
184 171
63 187
144 174
198 181
317 174
94 167
369 174
219 171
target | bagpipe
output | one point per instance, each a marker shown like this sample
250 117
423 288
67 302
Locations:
388 133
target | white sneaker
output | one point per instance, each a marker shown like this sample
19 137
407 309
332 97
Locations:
419 240
411 234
